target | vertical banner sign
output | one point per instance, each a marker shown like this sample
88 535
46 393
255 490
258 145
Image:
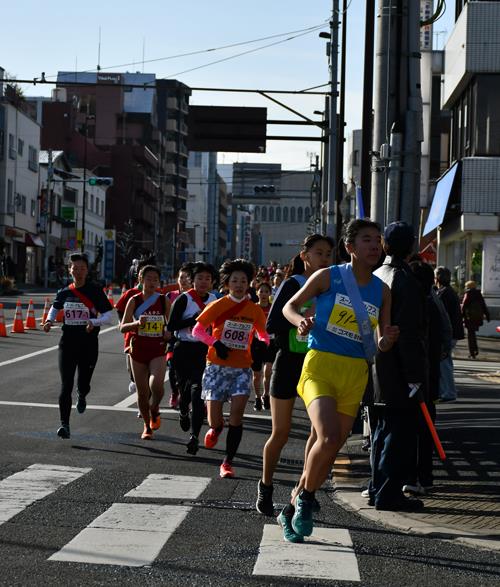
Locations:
425 31
247 236
109 255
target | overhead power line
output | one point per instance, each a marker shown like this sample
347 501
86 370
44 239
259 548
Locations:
201 51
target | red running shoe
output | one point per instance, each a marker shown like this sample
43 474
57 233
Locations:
226 470
155 421
174 400
211 438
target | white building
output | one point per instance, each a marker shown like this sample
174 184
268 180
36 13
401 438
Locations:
19 187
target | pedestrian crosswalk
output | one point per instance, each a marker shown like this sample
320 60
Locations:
133 531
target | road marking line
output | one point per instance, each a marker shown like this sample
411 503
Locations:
129 535
52 348
171 487
327 554
131 399
22 489
164 410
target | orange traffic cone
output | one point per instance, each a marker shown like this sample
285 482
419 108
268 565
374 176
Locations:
60 316
45 310
30 317
18 326
3 330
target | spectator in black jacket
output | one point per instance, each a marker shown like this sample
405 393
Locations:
400 374
447 389
438 346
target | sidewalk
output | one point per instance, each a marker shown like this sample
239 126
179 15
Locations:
464 504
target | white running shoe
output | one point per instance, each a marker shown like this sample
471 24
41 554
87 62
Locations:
416 489
365 493
132 387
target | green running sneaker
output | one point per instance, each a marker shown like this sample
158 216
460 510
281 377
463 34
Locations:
286 523
302 521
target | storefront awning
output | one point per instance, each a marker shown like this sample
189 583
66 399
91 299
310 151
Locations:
33 240
444 186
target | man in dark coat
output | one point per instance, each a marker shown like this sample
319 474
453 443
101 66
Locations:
400 376
447 389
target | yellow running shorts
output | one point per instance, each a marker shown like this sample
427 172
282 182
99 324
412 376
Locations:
329 375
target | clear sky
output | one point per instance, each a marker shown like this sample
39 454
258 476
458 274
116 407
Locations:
53 35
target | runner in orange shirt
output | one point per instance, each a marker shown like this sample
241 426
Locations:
228 376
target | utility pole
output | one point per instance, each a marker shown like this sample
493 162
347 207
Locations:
50 174
331 203
341 125
84 199
398 114
367 123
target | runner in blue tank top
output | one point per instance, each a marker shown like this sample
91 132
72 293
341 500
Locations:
335 371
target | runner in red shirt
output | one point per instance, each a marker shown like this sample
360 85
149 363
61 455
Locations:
146 317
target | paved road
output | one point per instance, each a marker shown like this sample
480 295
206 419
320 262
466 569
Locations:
106 508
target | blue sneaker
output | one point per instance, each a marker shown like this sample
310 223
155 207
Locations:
288 534
302 521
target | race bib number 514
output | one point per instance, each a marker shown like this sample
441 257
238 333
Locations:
236 335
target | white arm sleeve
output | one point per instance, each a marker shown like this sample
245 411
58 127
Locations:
103 318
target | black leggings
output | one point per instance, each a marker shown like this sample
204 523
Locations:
189 363
72 355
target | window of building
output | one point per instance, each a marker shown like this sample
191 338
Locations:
485 100
355 157
10 196
12 148
264 214
278 214
102 207
97 205
197 159
285 214
21 203
257 213
33 208
307 214
299 214
32 159
91 202
70 195
271 214
20 147
292 214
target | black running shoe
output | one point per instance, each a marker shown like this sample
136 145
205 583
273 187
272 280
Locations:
63 431
193 445
257 406
184 421
264 503
266 402
81 404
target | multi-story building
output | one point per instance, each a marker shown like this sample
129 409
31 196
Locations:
466 205
131 127
272 209
19 185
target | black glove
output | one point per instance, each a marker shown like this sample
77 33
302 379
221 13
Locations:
221 350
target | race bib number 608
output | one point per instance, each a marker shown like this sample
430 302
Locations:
236 335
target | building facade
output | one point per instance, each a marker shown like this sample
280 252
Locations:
271 211
19 187
468 225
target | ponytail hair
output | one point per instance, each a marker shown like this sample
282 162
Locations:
296 265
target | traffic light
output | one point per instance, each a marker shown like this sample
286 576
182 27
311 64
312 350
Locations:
105 181
264 189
